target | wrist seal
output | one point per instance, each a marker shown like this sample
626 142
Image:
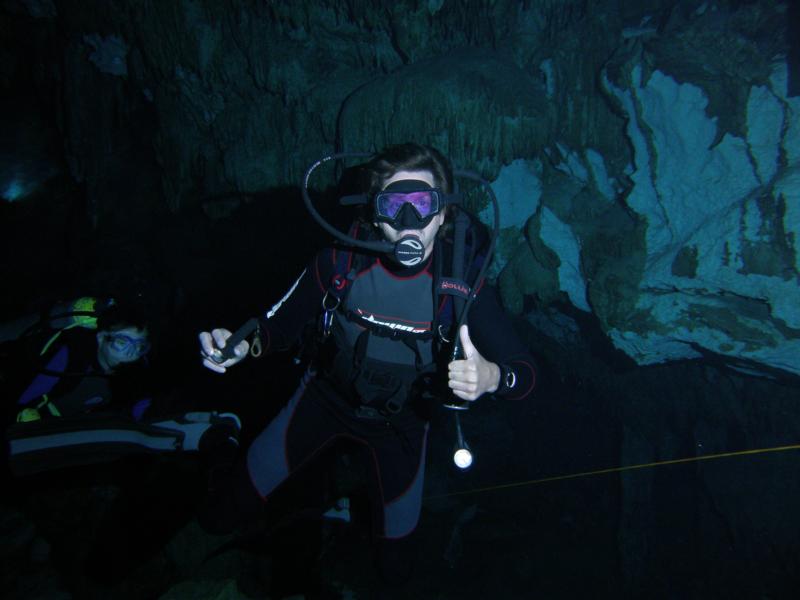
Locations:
508 379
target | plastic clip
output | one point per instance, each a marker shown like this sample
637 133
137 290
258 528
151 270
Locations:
256 348
328 309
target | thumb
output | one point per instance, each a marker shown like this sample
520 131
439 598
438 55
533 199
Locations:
466 343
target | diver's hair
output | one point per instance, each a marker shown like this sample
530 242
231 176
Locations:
124 314
408 157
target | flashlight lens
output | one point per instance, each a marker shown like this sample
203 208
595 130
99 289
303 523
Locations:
462 458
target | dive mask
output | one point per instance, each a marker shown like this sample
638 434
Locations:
129 346
408 204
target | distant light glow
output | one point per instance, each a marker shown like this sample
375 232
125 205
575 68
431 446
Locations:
14 191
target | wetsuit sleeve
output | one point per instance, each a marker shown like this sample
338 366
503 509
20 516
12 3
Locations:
45 382
282 325
67 379
494 337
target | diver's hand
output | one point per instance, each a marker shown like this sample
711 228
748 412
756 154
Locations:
474 376
212 342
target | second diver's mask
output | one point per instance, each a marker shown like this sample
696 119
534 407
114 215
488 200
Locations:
407 204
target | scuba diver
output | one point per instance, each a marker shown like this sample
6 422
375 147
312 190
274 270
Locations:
82 401
385 302
86 343
87 397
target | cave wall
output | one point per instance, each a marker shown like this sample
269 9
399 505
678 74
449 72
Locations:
646 158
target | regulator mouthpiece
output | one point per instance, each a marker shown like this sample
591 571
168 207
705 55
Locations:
409 251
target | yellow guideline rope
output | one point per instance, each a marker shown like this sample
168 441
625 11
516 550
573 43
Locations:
616 470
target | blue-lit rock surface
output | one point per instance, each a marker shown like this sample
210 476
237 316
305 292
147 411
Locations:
711 259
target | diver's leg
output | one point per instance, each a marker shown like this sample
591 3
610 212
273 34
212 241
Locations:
399 477
233 497
402 473
295 448
293 438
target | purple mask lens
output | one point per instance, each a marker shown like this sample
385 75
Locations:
390 203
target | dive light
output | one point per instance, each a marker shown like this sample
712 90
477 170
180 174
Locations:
462 455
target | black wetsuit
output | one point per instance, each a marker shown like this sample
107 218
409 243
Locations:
324 409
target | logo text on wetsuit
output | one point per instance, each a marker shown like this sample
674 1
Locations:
453 287
391 325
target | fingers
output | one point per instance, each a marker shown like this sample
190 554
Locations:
214 341
470 379
206 342
463 370
211 365
468 393
241 349
464 379
220 335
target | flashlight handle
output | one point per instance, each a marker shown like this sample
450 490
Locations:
459 433
230 344
456 350
456 405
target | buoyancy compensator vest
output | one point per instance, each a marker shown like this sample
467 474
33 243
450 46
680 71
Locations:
458 295
383 335
385 330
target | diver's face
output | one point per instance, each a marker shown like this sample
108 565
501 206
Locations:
427 235
125 345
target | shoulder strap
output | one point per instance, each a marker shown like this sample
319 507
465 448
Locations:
460 256
346 264
345 268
